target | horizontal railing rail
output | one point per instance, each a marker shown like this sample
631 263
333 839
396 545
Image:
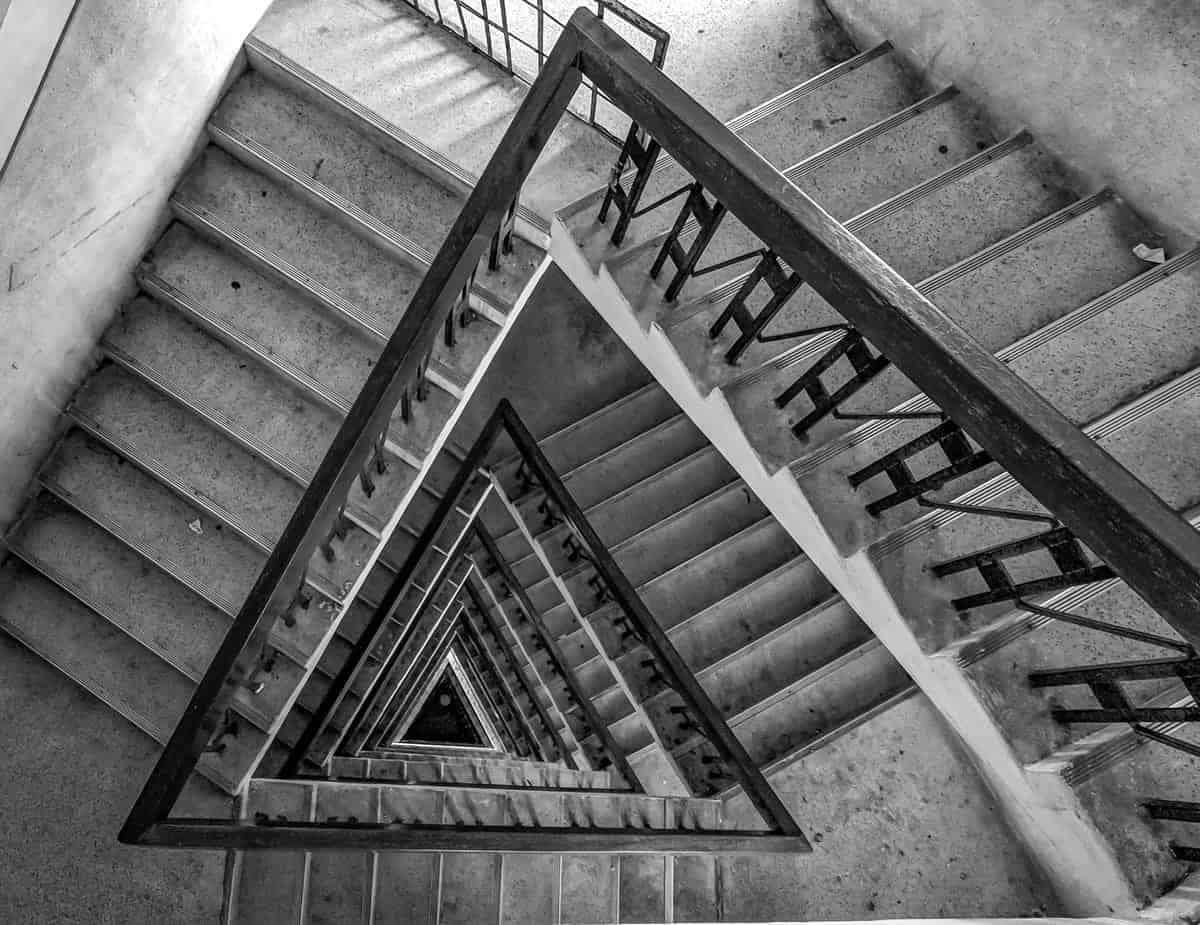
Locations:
1105 506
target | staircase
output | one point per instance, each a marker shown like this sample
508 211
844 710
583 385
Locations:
298 236
839 446
815 566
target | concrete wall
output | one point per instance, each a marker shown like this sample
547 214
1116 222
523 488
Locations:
1112 87
85 192
29 32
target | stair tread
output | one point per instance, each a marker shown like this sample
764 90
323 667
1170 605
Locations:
377 282
270 887
330 148
143 601
107 662
264 411
1171 471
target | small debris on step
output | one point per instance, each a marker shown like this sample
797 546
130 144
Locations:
1150 254
326 606
196 528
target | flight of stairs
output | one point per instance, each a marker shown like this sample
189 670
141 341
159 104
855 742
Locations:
991 230
780 654
299 234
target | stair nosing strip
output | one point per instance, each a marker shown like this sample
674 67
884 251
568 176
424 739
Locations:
125 711
772 635
261 49
991 155
176 298
825 156
1105 426
711 497
117 530
1014 351
809 679
761 524
782 101
1078 762
748 588
207 223
72 588
588 419
276 167
225 425
410 253
775 765
705 451
1009 627
1001 248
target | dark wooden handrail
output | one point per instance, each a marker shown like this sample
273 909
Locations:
1145 542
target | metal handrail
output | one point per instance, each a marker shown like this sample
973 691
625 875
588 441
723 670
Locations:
1126 524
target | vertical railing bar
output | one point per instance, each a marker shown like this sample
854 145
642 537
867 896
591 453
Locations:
757 789
504 32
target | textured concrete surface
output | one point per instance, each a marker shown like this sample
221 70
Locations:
71 770
912 833
28 33
1104 84
558 340
85 190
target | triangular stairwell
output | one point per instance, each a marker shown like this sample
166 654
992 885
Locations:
442 678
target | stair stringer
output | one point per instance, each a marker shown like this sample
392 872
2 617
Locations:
398 514
1047 815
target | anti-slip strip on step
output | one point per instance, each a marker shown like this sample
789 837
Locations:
810 679
772 106
993 488
211 226
206 766
259 157
972 649
270 61
80 594
245 343
1080 761
227 426
826 156
752 646
951 274
546 533
814 347
790 757
713 496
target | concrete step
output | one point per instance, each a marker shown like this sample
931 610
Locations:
772 662
456 102
620 516
1076 263
113 666
204 469
817 114
668 543
775 729
1148 336
1113 772
377 195
147 604
1157 419
312 136
259 410
704 597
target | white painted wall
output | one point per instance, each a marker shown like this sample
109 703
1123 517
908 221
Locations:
29 30
86 189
